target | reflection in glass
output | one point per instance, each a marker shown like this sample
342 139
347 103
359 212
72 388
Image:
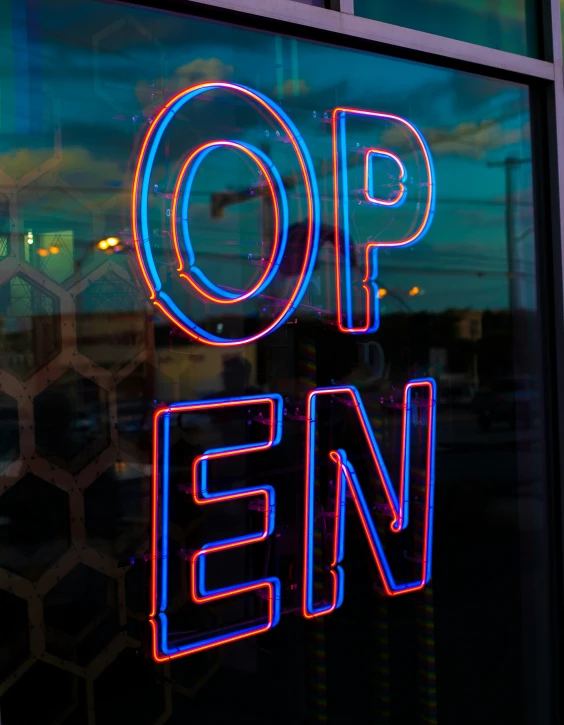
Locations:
85 359
510 25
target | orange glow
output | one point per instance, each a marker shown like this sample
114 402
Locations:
54 249
43 252
414 291
382 292
103 244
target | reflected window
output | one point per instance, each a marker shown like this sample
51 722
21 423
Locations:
511 25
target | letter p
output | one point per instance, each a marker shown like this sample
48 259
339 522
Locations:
389 178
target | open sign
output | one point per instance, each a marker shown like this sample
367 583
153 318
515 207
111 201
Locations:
395 143
399 146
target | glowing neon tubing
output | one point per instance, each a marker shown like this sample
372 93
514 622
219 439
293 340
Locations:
159 561
346 476
399 198
139 206
275 183
342 223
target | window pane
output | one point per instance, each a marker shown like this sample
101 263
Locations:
86 359
510 25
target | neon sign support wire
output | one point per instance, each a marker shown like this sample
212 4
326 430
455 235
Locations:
139 211
342 222
346 477
162 651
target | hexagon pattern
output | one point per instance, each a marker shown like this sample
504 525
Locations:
116 510
35 527
77 382
60 222
9 431
124 35
6 226
15 648
73 516
29 327
81 615
110 326
72 421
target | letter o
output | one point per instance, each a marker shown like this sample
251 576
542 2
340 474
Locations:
139 216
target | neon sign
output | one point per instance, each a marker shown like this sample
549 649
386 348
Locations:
199 592
269 588
346 477
347 482
209 292
342 215
140 226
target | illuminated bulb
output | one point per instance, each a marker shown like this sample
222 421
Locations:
112 241
414 291
382 293
103 244
30 237
54 250
43 252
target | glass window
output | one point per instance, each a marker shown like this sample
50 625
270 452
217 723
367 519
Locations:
229 189
510 25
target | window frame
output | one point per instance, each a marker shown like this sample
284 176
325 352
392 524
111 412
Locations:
339 26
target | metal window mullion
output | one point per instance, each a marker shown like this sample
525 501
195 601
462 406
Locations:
388 36
549 177
558 98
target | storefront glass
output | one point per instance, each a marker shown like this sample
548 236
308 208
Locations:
86 359
510 25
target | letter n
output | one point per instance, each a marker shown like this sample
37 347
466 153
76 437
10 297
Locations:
344 461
